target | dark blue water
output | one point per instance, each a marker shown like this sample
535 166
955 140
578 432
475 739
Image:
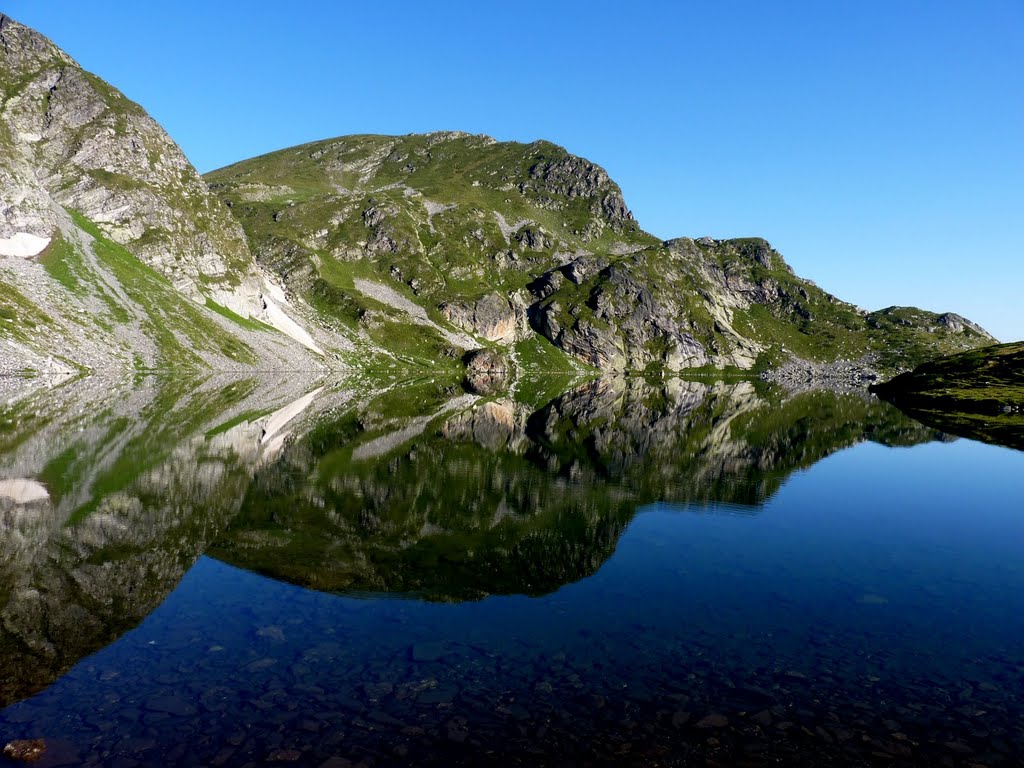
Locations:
871 611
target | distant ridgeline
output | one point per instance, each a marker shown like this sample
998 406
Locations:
376 253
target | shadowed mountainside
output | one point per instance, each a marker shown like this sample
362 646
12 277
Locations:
977 394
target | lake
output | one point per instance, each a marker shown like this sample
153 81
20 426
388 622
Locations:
284 571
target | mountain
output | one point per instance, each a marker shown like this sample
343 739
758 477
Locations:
977 394
376 253
113 253
527 245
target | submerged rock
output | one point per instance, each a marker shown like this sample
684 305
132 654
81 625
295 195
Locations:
25 750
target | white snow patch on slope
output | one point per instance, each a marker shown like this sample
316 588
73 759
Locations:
23 244
23 491
273 315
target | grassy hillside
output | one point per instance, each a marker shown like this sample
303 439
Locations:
510 241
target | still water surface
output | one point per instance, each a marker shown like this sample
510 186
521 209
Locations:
233 573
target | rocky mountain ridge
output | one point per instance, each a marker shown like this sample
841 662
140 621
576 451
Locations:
110 243
527 244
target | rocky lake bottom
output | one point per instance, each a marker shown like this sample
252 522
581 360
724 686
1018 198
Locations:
235 573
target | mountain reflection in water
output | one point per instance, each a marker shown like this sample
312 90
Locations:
490 498
110 491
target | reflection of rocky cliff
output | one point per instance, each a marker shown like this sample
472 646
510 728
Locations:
109 491
488 498
691 442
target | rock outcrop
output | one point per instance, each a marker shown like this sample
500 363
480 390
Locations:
492 317
99 153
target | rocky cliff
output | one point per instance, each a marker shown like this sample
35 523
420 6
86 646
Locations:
112 251
515 243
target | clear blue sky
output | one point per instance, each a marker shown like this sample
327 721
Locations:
878 145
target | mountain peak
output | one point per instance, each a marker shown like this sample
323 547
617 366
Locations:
22 46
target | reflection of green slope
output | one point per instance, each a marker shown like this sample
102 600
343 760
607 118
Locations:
493 500
331 517
443 522
178 412
157 487
1001 429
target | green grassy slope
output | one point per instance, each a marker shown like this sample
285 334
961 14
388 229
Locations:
462 225
104 303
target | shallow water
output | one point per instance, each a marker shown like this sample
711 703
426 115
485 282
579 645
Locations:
680 574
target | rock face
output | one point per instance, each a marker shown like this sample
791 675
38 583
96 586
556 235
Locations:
622 325
98 202
574 177
492 317
99 153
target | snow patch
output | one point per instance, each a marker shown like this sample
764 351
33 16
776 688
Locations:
23 491
23 244
276 291
273 315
